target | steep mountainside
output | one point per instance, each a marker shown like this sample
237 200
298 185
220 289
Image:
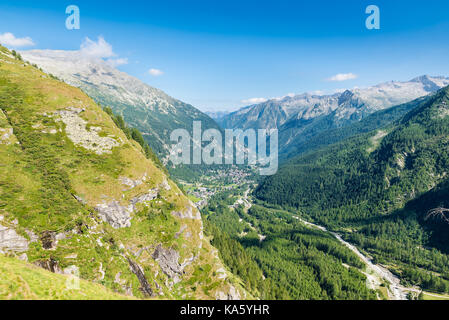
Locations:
322 132
143 107
301 117
378 188
78 196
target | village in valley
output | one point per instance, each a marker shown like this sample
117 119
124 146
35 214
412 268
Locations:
217 181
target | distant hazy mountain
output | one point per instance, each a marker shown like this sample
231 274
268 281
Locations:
216 115
301 117
148 109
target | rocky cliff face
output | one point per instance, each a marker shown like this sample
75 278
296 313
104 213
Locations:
77 196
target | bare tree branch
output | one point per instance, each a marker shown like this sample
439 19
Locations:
441 213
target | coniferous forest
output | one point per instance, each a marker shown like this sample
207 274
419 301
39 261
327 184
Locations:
378 192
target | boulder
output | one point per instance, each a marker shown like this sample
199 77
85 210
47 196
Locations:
168 261
11 241
116 215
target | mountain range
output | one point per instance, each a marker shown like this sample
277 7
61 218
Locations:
370 164
148 109
301 117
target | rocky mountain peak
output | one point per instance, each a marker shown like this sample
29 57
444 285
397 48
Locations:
148 109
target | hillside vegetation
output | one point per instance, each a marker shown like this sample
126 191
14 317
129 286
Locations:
22 281
278 257
378 189
79 193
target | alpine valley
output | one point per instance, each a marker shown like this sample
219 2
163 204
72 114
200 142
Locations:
357 211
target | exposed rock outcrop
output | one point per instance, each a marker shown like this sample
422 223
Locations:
76 129
138 271
127 289
48 239
189 213
188 262
11 241
168 261
5 135
222 273
116 215
119 216
33 237
130 183
165 185
50 265
151 195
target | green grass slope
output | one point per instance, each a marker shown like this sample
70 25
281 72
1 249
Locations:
59 167
22 281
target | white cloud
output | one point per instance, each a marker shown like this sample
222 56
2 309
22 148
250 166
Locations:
155 72
117 62
289 95
343 77
254 100
99 49
8 39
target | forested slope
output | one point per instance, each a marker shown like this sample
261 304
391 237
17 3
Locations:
278 257
379 188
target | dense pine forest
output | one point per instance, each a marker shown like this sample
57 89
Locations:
378 189
309 140
278 257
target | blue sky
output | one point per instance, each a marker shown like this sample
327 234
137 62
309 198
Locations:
218 55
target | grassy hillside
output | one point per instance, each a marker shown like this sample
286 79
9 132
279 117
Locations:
80 193
22 281
154 113
378 188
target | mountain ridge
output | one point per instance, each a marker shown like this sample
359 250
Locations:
293 115
152 111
